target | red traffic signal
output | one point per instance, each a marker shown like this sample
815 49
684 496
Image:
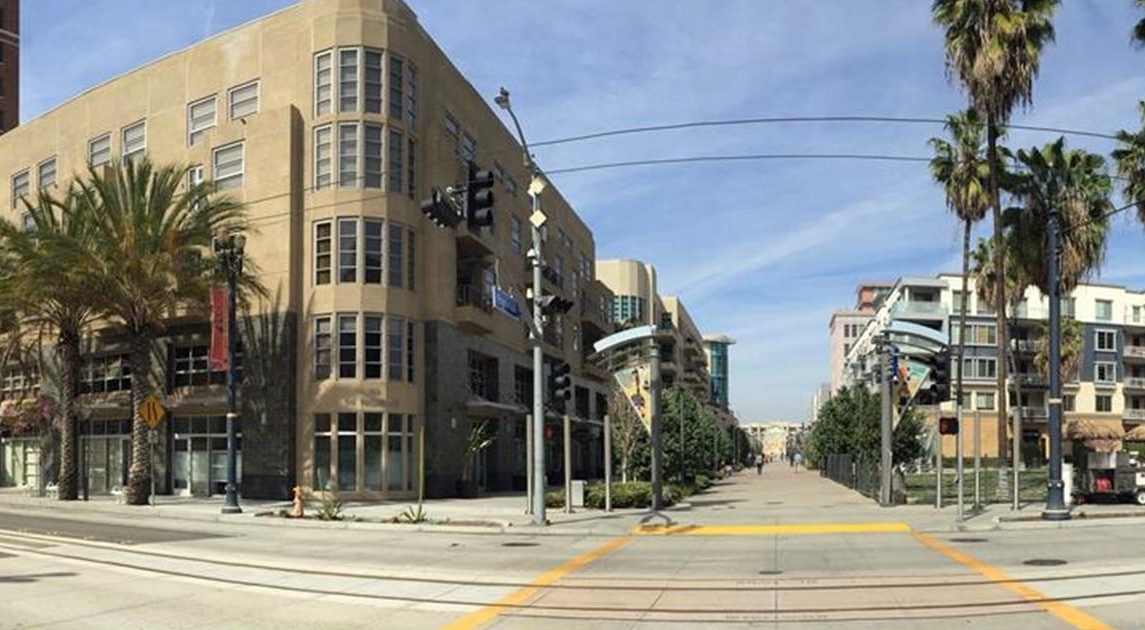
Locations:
948 426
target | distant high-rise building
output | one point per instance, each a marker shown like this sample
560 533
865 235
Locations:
716 349
9 64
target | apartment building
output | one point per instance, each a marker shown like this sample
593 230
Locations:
331 120
716 347
845 326
9 64
1108 388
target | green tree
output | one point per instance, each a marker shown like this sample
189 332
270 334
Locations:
1070 347
850 423
993 50
629 437
1129 158
49 290
960 166
154 232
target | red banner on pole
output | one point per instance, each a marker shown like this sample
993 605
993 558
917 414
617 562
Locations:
217 357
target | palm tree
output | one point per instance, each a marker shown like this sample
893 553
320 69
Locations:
1139 29
1129 157
153 233
993 49
48 287
960 167
1070 347
1074 181
983 270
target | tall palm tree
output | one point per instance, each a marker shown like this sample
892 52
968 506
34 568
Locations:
960 166
1139 29
993 49
1129 157
154 230
984 272
1070 347
48 286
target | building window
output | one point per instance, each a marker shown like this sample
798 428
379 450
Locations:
515 233
134 140
467 150
322 463
397 145
46 173
373 82
227 164
411 95
322 83
1104 372
347 250
1069 402
373 251
985 401
980 368
348 155
21 186
483 376
397 77
396 235
374 157
372 449
243 100
372 346
1136 314
201 116
523 386
191 368
411 260
846 349
323 157
348 80
105 374
1103 403
411 169
1106 340
1103 310
27 222
347 346
322 347
99 150
323 250
347 465
397 348
410 354
977 334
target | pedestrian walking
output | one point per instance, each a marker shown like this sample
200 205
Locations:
759 463
798 460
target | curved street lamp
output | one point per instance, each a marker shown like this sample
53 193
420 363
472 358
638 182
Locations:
229 248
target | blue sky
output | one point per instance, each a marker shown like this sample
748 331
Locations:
763 251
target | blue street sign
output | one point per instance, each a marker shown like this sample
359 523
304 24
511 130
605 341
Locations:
506 303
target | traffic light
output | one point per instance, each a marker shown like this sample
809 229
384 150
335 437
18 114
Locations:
479 197
940 375
440 209
554 305
948 426
560 386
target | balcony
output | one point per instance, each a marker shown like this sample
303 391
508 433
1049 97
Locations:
594 307
471 244
474 311
1135 353
1031 379
1134 414
919 310
1030 413
1134 382
1026 345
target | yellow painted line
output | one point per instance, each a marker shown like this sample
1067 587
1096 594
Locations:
765 530
1073 616
480 617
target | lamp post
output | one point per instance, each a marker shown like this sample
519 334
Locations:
1056 509
229 250
537 219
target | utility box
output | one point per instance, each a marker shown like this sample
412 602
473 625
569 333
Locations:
577 496
1067 482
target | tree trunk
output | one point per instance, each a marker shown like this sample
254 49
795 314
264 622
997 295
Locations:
138 478
999 273
69 352
961 331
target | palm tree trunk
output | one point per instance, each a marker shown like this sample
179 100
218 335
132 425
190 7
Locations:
999 273
69 349
138 477
961 331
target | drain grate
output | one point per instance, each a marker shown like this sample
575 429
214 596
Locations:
968 540
519 544
770 572
1045 562
774 503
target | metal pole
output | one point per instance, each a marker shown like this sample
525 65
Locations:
654 412
538 381
977 460
1016 441
529 464
1055 500
568 463
938 467
233 260
151 454
607 463
885 463
960 467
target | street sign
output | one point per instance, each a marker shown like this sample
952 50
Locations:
506 303
152 411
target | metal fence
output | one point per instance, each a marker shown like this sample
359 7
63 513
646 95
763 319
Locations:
857 473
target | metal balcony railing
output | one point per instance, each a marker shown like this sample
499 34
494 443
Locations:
1136 352
1134 414
1134 382
471 295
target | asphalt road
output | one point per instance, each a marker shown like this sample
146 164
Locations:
94 530
779 551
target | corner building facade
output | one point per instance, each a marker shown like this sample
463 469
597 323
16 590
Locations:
331 120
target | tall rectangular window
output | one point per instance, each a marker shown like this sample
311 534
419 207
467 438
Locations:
396 234
409 351
1104 372
397 348
1104 310
348 80
373 236
347 346
468 151
347 250
347 451
372 449
1106 341
372 345
985 401
373 82
228 166
322 347
515 233
1103 404
322 452
411 95
323 157
397 76
411 169
323 251
134 140
374 156
323 80
411 260
99 150
21 186
46 173
200 118
348 155
243 100
397 145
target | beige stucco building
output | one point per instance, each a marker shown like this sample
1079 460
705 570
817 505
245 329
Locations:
332 120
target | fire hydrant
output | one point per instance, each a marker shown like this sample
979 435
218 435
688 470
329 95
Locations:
297 511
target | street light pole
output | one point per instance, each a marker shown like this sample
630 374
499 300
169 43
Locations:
535 334
1055 500
229 248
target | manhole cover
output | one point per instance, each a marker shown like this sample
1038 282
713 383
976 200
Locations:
774 503
770 572
968 540
519 544
1044 562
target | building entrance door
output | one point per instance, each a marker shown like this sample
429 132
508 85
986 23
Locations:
181 466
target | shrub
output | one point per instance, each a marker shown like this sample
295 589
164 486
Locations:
330 510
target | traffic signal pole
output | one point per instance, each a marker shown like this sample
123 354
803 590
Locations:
885 463
538 379
1055 500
